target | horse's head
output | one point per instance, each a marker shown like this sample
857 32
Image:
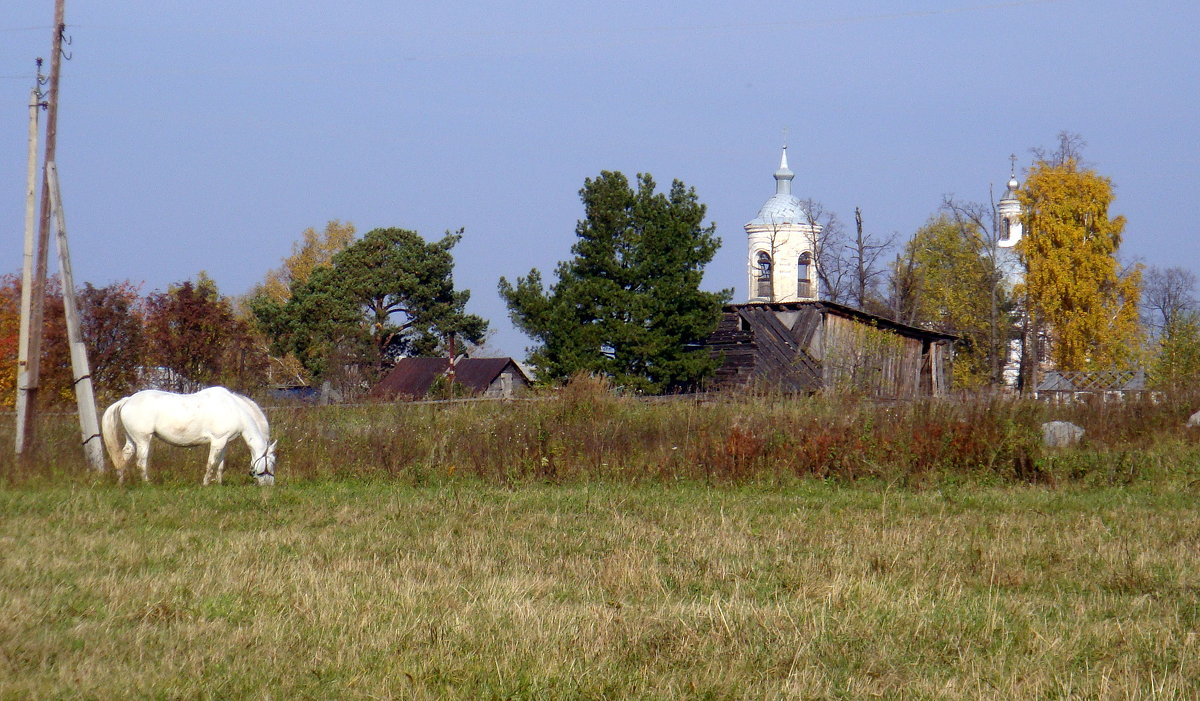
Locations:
262 469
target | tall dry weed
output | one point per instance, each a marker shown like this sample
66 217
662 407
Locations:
587 432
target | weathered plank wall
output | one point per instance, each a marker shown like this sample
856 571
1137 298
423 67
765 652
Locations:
809 346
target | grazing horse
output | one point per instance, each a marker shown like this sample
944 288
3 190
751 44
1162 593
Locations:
213 416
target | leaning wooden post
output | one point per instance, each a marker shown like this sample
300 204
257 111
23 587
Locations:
84 398
23 379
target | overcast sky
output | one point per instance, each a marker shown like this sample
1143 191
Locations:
208 136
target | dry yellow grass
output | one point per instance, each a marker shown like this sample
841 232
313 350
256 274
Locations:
377 590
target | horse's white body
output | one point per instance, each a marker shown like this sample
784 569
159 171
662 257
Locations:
213 416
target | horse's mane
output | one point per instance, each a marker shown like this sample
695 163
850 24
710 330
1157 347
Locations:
255 412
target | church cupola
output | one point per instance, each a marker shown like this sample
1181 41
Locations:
781 266
1009 209
783 176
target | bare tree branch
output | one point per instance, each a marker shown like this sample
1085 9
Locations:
865 253
1070 147
828 251
1167 293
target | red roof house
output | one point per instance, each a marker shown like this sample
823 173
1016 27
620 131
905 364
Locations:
412 378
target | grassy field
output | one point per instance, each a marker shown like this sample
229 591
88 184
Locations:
462 589
589 546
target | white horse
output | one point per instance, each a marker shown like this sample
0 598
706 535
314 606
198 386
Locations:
213 416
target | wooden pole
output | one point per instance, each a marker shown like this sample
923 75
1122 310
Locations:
38 309
22 404
85 399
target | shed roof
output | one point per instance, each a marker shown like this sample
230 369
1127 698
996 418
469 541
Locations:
846 311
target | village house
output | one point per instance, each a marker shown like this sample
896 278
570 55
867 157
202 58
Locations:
413 378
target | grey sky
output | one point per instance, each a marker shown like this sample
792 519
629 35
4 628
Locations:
207 136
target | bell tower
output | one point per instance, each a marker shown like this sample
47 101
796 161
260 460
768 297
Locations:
1009 209
780 265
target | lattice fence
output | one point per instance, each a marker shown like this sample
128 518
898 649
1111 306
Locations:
1102 382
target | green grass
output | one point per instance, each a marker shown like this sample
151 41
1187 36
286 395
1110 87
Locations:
590 546
467 590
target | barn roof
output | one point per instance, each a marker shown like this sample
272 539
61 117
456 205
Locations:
412 377
843 310
480 373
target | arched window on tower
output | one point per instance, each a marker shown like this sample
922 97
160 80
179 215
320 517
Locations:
804 286
763 262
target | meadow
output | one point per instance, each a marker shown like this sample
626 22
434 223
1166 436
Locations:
593 547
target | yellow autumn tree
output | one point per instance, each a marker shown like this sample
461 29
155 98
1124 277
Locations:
1076 290
55 376
950 284
312 251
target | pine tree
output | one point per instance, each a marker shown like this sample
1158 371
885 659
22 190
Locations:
386 295
629 304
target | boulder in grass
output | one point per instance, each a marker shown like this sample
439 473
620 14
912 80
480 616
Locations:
1061 434
1194 420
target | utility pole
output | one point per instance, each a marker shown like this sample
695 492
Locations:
85 399
862 269
22 403
38 291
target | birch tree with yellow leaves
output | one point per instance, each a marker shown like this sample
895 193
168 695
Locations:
1078 294
313 250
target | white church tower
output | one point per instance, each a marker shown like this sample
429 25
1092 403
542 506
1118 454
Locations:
1009 209
781 266
1011 230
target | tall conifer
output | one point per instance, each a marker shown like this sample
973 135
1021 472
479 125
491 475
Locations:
629 304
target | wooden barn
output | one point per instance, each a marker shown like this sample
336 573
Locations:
808 346
412 378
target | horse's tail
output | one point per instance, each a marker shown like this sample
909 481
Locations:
109 429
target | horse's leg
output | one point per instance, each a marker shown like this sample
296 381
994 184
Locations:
122 460
216 461
143 456
221 464
210 464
